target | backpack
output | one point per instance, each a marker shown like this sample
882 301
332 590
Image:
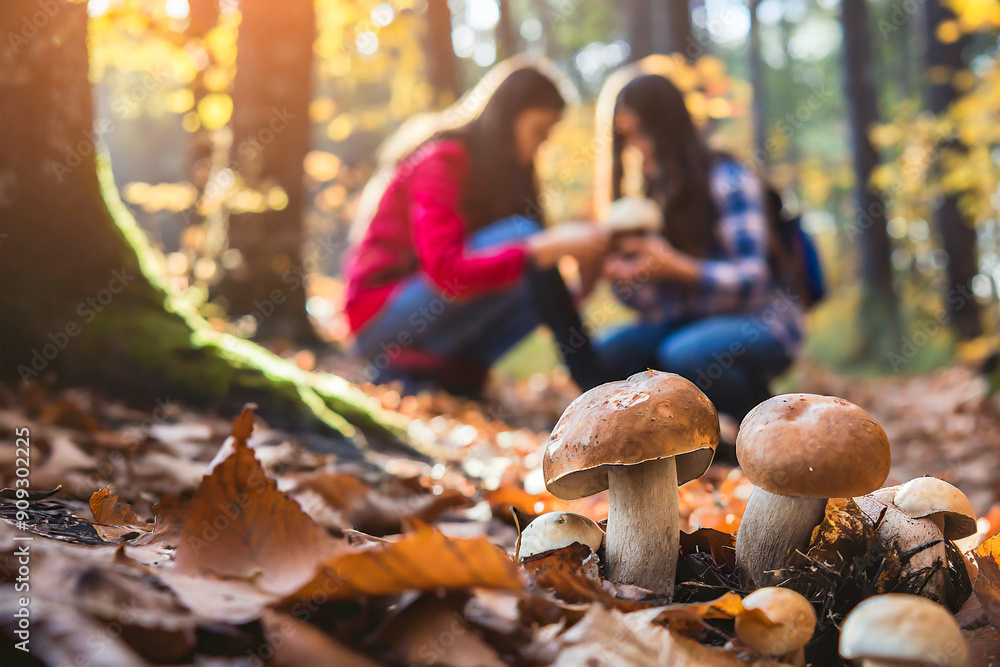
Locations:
792 254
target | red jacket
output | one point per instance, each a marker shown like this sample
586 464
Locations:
419 227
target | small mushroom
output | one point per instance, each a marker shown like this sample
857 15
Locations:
793 621
903 631
801 450
556 530
916 518
639 438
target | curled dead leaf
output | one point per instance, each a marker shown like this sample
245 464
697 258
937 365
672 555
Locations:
424 559
239 525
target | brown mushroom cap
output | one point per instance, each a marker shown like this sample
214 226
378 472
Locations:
649 416
812 446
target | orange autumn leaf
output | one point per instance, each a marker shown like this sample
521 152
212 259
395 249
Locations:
239 525
109 510
987 584
422 560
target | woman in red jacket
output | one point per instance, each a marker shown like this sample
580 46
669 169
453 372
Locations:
454 268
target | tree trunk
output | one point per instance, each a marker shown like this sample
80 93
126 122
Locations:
756 64
441 61
640 29
506 35
957 234
879 317
83 302
271 136
671 24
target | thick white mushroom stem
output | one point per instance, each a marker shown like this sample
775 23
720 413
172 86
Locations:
643 541
911 538
773 528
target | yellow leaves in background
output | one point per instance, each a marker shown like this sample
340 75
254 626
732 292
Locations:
322 109
180 101
976 15
172 197
215 110
340 127
321 165
948 32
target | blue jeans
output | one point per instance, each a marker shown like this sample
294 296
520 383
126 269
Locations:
482 328
731 358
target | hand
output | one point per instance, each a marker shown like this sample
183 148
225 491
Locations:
581 240
651 256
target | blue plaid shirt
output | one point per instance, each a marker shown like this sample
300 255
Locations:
736 276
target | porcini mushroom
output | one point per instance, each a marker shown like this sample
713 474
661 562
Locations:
639 438
916 518
792 623
903 631
801 450
556 530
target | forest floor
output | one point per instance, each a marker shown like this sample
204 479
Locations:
197 556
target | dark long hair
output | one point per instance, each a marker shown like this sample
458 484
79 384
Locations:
682 185
498 184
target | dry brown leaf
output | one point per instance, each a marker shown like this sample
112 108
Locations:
987 584
431 631
573 575
239 525
108 509
422 560
374 511
295 644
721 545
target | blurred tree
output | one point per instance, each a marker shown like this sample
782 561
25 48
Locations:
506 35
84 300
442 64
879 318
671 25
640 29
271 137
756 66
944 63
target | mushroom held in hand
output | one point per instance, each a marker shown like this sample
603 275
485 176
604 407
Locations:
916 518
800 450
556 530
792 618
903 631
639 438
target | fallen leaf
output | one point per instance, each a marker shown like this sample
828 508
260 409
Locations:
108 509
422 560
987 584
374 511
431 631
239 525
572 574
294 643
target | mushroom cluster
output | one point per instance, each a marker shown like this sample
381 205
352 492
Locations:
638 438
800 450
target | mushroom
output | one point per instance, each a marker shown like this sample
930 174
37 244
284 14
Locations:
639 438
800 450
916 518
556 530
792 623
903 631
634 214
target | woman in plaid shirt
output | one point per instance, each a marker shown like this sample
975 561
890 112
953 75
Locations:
711 308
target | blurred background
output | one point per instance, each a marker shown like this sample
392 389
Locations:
201 105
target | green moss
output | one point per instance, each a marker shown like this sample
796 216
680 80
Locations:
158 335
